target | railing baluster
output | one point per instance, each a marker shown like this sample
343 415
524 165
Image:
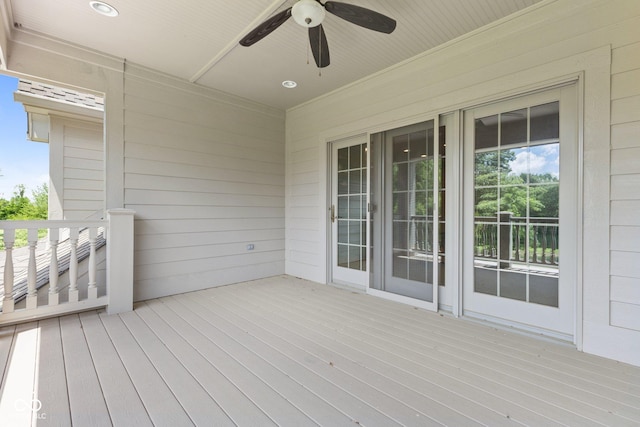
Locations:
54 294
534 258
517 241
553 245
485 250
494 241
92 289
32 292
41 263
543 242
73 265
532 241
8 302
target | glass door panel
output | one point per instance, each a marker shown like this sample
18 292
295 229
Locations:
348 212
516 205
409 188
523 159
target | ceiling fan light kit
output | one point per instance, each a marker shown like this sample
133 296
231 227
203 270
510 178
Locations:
310 14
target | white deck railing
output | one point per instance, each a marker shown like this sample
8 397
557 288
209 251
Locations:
81 240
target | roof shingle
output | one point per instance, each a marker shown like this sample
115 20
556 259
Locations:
60 94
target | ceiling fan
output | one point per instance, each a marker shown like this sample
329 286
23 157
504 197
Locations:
310 14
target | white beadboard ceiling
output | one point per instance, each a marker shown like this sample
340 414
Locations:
197 40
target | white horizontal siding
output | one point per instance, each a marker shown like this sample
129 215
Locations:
154 226
625 135
217 173
625 212
186 239
82 168
195 198
83 174
625 315
625 188
206 178
625 289
85 153
155 182
625 264
625 109
625 238
83 184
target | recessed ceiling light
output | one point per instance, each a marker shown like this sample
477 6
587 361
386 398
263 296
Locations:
103 8
289 84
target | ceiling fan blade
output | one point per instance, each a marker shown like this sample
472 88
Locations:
266 28
361 16
319 46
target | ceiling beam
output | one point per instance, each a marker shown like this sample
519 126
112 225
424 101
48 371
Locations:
277 4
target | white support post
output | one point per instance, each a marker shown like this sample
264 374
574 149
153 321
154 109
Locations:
54 295
32 292
73 265
92 290
120 260
8 302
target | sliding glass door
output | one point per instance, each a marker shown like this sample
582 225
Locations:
408 192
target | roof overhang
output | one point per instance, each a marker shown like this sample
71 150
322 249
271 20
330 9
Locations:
39 110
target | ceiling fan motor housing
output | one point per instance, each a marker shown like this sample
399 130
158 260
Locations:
308 13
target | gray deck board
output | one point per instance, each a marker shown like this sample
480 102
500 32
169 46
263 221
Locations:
283 351
7 335
424 389
86 401
52 382
19 379
161 404
200 407
550 395
327 365
503 370
286 375
204 338
122 400
236 405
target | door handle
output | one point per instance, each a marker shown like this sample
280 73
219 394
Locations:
333 214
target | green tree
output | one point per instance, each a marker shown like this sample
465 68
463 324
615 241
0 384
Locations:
492 170
545 190
20 207
16 204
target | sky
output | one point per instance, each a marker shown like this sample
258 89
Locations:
537 160
21 161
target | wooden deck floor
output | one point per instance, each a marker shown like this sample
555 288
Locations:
282 351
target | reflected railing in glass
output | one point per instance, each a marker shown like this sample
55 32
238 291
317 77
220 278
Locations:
517 243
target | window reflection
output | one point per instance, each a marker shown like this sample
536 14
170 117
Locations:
351 209
517 176
414 182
